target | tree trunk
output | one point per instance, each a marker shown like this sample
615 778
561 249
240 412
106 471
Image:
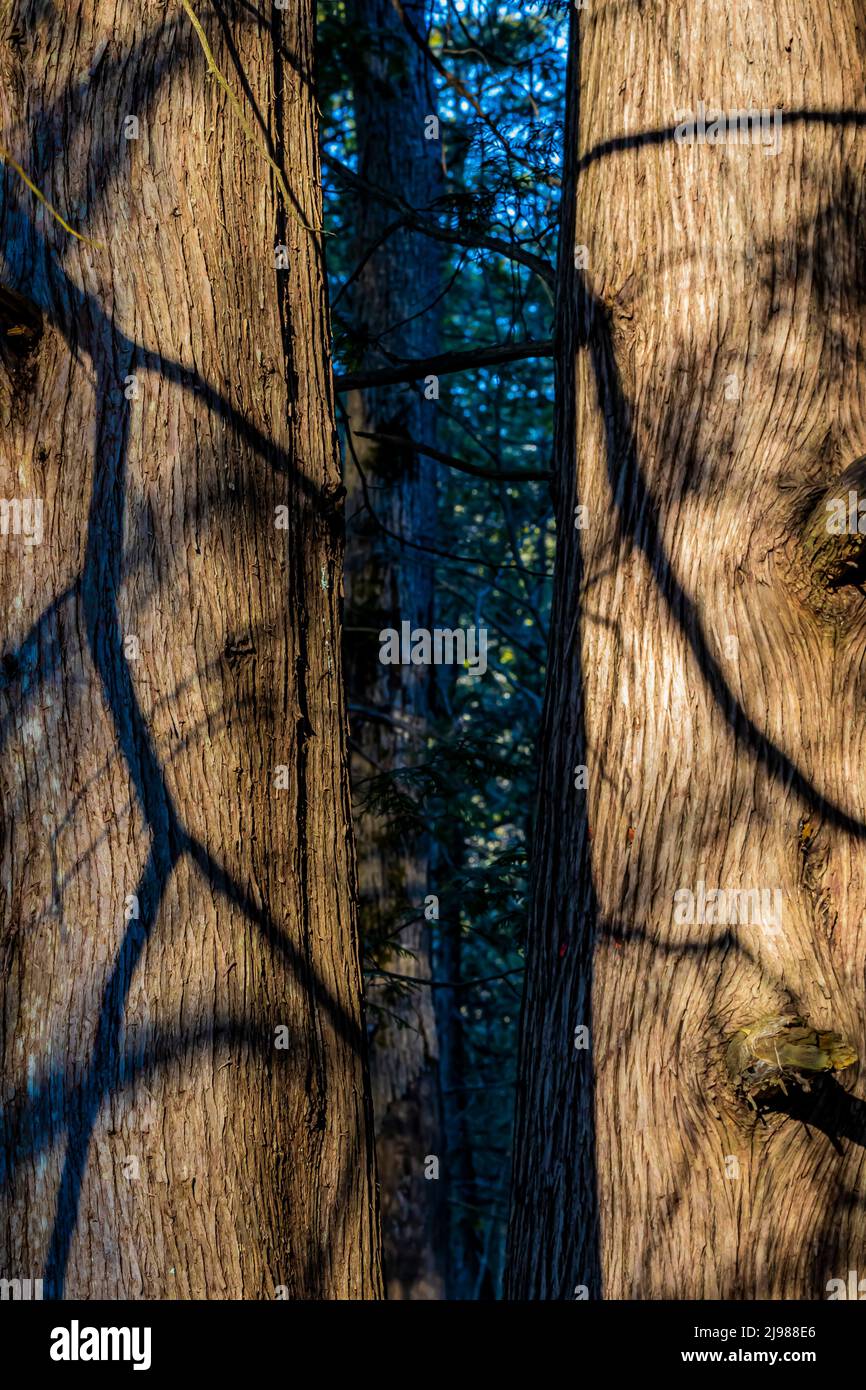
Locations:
463 1239
185 1101
711 394
392 487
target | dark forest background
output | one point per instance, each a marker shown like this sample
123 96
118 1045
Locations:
439 238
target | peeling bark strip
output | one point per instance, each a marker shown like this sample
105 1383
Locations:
717 395
185 1106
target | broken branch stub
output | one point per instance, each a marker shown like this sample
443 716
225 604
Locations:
778 1050
833 538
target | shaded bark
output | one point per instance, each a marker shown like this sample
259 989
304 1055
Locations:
463 1244
385 584
186 1110
711 393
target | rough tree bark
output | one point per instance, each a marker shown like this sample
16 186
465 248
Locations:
387 582
712 394
185 1107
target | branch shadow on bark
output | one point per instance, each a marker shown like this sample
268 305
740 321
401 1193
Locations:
544 1206
639 520
97 587
829 1108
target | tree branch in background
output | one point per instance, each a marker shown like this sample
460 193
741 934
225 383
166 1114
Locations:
463 91
445 984
505 475
495 566
443 364
412 218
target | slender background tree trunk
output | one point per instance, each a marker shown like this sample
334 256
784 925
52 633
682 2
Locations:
185 1102
713 351
388 582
